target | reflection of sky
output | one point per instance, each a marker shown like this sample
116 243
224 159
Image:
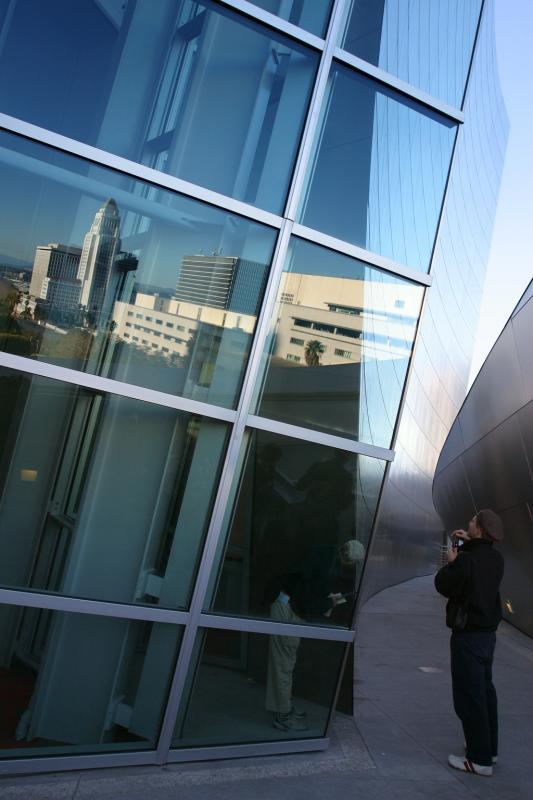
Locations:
53 197
380 170
425 42
511 258
312 259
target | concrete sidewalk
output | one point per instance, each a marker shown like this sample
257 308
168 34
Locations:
397 747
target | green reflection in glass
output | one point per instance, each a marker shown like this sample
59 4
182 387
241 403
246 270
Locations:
110 497
77 683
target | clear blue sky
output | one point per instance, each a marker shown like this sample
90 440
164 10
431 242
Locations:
511 260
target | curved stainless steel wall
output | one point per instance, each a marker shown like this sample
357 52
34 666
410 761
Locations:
487 459
408 530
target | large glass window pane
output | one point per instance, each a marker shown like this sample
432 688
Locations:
298 532
244 686
78 683
427 43
339 346
312 15
114 276
378 175
102 496
189 88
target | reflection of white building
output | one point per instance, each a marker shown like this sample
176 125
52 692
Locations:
167 325
213 294
55 275
351 318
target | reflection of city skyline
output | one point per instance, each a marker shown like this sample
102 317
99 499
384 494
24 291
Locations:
381 329
193 336
78 285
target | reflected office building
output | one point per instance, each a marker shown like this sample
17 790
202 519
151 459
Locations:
487 459
236 315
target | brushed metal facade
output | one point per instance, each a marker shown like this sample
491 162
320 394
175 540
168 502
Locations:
408 530
487 460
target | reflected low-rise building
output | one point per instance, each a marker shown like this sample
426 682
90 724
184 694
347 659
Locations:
487 459
202 377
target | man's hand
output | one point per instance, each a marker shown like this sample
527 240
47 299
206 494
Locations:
460 534
452 555
336 598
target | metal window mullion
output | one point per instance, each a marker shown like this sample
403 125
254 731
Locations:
28 598
326 439
416 343
271 628
393 82
118 388
52 763
459 134
223 494
355 251
310 130
283 26
136 170
248 750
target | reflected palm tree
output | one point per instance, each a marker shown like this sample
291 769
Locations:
313 350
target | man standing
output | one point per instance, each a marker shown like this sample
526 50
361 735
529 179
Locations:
471 580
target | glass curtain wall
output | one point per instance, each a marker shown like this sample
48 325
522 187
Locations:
214 242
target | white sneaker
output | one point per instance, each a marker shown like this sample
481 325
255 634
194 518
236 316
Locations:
494 758
465 765
287 722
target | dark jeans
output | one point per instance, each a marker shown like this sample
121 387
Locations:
474 695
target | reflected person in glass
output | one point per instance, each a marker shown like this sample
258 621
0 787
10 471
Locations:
304 591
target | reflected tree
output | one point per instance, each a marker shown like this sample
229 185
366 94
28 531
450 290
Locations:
313 350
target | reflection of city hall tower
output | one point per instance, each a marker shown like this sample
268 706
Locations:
65 277
100 246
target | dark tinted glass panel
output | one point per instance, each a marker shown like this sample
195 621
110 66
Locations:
77 683
189 88
245 685
116 277
312 15
379 171
340 344
109 497
298 532
427 43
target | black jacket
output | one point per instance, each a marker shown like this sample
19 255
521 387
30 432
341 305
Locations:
476 574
